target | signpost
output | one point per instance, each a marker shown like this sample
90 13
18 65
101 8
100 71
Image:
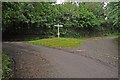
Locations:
58 29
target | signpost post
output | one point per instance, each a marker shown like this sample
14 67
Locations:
58 29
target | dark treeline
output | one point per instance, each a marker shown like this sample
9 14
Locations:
37 19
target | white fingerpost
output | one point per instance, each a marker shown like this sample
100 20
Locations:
58 29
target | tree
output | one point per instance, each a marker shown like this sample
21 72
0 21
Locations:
40 18
114 12
95 7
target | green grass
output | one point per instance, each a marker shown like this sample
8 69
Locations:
58 42
5 64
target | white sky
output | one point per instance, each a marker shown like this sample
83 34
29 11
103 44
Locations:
105 4
59 1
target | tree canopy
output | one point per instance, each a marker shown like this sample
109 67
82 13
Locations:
39 18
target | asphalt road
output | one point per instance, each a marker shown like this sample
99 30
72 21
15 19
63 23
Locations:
32 61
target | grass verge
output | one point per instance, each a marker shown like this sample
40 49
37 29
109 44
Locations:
5 64
58 42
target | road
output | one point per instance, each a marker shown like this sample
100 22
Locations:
33 61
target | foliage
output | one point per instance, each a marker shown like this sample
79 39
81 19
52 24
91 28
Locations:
58 42
39 18
95 7
5 64
114 13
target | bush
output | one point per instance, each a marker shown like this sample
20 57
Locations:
5 65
